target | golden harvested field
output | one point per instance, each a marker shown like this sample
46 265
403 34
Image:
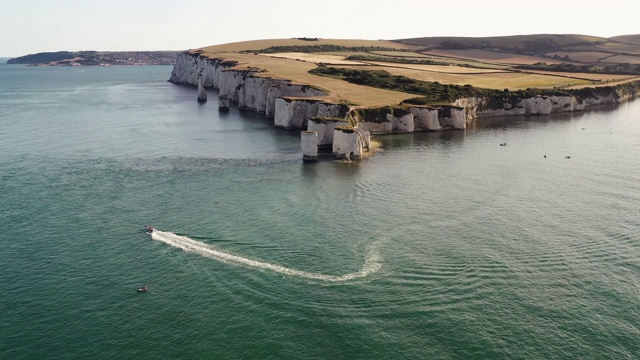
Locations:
610 47
494 73
518 81
339 91
586 76
338 58
608 84
622 59
438 58
584 56
263 44
501 80
401 54
315 58
620 47
449 69
472 63
344 53
492 57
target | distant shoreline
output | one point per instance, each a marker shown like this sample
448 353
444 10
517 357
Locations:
97 58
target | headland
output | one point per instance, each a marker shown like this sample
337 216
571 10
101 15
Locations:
101 58
423 84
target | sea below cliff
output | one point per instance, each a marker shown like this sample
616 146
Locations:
442 245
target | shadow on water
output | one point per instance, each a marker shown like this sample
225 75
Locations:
526 121
327 166
398 141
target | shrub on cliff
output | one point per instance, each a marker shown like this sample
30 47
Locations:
374 115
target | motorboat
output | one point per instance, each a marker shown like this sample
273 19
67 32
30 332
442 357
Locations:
148 229
142 289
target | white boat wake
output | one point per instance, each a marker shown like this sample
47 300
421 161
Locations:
371 265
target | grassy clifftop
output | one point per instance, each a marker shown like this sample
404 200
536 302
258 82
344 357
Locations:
544 63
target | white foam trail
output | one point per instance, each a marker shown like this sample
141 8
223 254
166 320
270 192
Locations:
371 265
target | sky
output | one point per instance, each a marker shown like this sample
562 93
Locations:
32 26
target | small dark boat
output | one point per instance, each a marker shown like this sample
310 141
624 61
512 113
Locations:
148 229
143 289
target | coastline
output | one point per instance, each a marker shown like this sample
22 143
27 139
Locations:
292 105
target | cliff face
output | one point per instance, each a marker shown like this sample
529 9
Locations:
545 105
309 142
324 126
390 120
253 95
425 119
452 117
294 114
402 121
231 82
347 143
246 88
260 93
189 67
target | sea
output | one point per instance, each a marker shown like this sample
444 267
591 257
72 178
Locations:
440 245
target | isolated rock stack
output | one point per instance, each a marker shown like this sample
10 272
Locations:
309 142
202 94
223 103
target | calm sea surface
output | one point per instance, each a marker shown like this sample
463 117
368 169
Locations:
441 246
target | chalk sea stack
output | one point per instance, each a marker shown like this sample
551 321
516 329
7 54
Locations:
223 103
202 94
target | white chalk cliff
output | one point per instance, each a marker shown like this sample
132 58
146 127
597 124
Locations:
309 142
347 143
247 88
324 126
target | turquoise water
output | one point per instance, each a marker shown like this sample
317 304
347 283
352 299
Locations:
441 246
